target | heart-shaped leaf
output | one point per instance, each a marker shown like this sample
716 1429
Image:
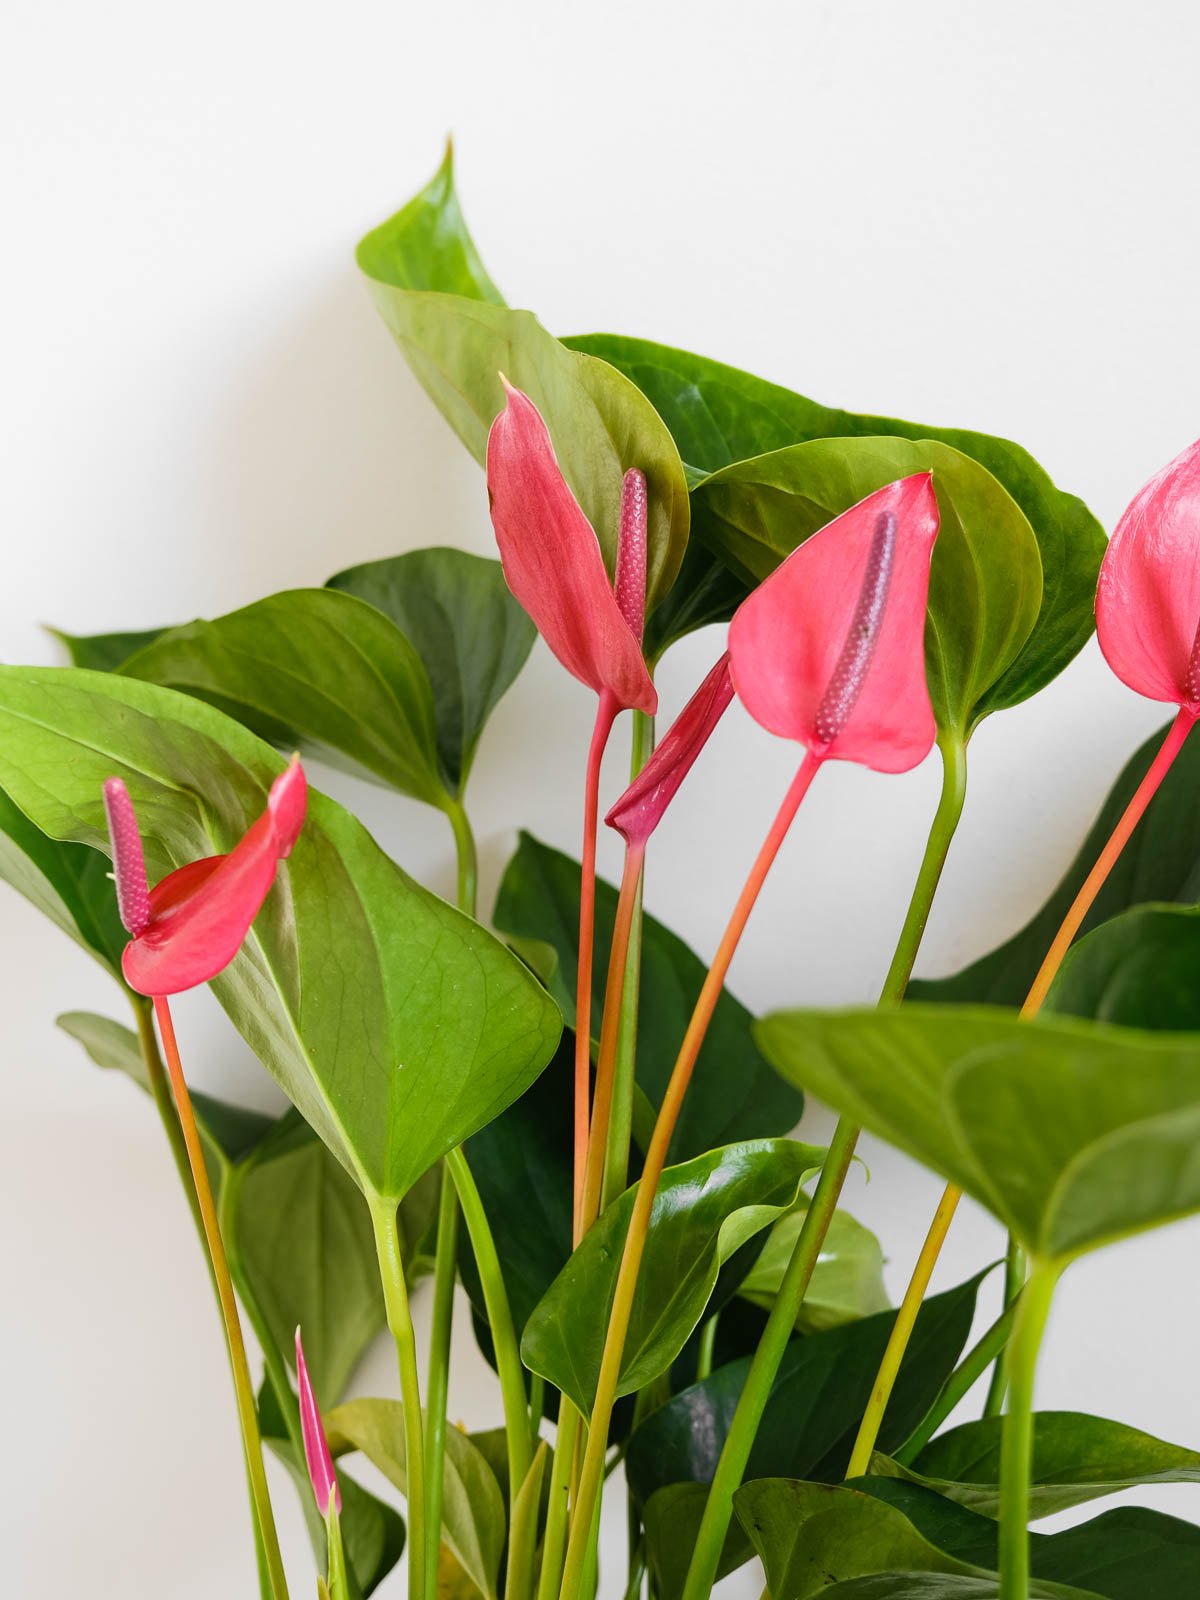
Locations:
847 1282
985 585
471 635
733 1094
316 668
1075 1458
1072 1133
396 1025
426 284
473 1520
105 652
719 416
1163 864
703 1212
1138 970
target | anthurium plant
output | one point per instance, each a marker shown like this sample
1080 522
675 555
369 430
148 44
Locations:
556 1104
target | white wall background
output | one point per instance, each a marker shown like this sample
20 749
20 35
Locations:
984 215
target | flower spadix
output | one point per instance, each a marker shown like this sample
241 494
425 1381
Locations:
553 563
316 1447
830 649
1148 597
189 927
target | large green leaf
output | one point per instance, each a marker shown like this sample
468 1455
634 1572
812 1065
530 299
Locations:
1075 1458
846 1284
703 1212
317 668
426 281
1073 1133
68 883
396 1025
719 415
473 1520
733 1094
1126 1554
105 652
985 586
471 635
1138 970
1161 862
936 1586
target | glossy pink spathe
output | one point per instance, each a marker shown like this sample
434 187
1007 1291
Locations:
1148 597
830 649
640 809
553 563
198 916
316 1447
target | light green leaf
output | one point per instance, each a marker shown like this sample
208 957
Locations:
703 1211
985 587
473 1521
395 1024
847 1282
471 635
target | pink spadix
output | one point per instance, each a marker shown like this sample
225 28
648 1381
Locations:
189 927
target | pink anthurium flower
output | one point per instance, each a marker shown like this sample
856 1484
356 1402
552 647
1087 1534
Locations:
316 1447
553 563
829 650
1148 597
189 927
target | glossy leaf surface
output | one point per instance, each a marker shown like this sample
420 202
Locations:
704 1210
1138 970
1073 1134
847 1282
471 635
366 996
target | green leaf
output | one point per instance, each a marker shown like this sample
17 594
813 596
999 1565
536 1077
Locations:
847 1282
936 1586
1076 1458
105 652
733 1094
1126 1554
1138 970
1162 864
985 587
396 1025
316 668
68 883
472 636
473 1521
457 345
1073 1134
705 592
719 415
703 1211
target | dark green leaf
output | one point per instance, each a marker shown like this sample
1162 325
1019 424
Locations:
847 1282
472 636
1162 862
1139 970
703 1212
936 1586
1074 1134
733 1094
397 1025
314 668
719 415
706 591
1075 1458
105 652
985 584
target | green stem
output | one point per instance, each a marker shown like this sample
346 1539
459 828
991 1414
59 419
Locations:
554 1541
468 860
444 1275
968 1372
620 1127
499 1315
781 1323
399 1318
537 1400
704 1356
1016 1450
235 1346
339 1583
1014 1282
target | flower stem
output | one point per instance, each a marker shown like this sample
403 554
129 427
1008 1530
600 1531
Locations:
968 1372
1014 1282
582 1517
555 1538
399 1318
243 1387
437 1389
605 716
781 1323
465 854
1016 1449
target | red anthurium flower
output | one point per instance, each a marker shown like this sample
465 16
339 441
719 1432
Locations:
1148 598
640 809
316 1448
553 562
830 649
189 927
